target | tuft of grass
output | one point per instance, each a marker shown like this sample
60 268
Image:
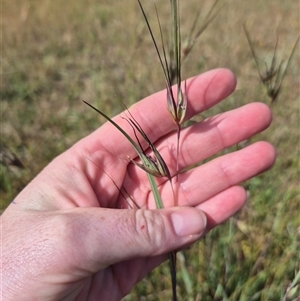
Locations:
273 75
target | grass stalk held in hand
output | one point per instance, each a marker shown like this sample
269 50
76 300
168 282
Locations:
177 109
171 70
154 166
162 167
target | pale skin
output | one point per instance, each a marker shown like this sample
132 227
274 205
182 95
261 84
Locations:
64 236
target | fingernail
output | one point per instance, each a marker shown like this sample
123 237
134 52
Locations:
188 221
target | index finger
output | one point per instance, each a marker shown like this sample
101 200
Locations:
203 92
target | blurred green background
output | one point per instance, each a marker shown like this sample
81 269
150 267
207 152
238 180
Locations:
55 53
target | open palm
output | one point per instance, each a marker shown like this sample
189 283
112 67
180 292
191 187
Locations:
75 243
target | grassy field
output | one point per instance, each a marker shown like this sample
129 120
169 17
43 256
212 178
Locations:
56 53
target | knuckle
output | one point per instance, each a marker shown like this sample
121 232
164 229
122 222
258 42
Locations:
150 226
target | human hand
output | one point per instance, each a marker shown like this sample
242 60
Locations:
64 237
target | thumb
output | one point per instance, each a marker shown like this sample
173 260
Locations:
110 235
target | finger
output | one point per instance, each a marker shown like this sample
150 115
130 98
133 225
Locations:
203 92
127 234
218 209
226 171
219 132
211 178
223 205
207 138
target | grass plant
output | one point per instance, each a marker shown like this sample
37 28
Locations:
52 57
274 73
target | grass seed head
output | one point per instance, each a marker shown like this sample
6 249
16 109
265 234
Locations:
153 165
177 109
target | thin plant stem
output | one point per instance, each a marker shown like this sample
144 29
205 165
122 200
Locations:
175 49
123 194
194 35
144 158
